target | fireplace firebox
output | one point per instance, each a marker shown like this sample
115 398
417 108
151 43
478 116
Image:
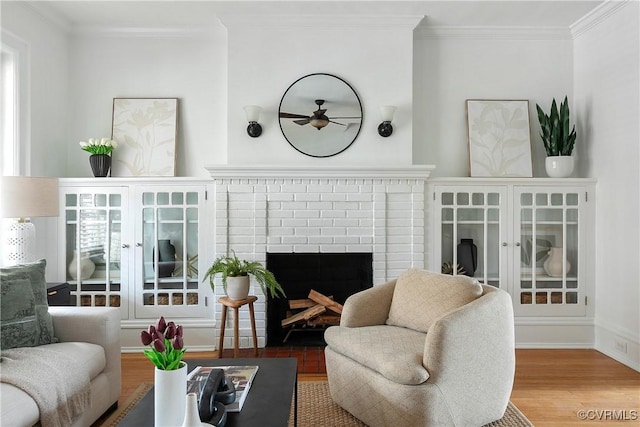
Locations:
339 275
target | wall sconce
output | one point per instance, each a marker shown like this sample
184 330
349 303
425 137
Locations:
253 115
386 114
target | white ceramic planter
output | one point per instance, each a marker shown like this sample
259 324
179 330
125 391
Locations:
555 263
559 166
170 389
238 287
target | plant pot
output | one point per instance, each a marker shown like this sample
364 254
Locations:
100 164
170 389
467 254
559 166
238 287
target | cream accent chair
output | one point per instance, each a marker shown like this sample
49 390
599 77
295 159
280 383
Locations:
424 350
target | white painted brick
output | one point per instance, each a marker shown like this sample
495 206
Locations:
280 214
280 248
358 248
400 222
306 214
296 222
306 197
402 239
280 197
347 188
307 248
333 214
343 222
321 222
333 248
333 231
359 197
240 223
357 231
359 214
365 223
307 231
333 197
366 240
320 205
294 205
295 240
275 222
347 240
293 188
345 205
274 240
320 240
393 215
320 188
282 231
394 231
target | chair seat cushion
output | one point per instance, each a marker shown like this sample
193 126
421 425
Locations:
90 355
422 297
395 353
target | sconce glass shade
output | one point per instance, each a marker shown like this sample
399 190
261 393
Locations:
387 112
21 198
253 112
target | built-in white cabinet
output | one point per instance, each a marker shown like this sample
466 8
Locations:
135 245
533 238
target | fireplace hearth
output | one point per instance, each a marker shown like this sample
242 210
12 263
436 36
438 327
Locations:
338 275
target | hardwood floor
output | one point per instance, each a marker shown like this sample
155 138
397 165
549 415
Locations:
551 386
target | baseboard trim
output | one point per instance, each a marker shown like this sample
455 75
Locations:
618 344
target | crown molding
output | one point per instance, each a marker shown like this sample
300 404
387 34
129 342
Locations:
46 12
493 33
284 22
143 32
597 16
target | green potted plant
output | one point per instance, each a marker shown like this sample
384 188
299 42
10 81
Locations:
235 274
100 158
558 139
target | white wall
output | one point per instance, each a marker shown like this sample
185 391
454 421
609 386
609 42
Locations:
607 95
47 81
452 66
373 54
189 65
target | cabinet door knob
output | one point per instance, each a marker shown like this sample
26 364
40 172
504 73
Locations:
138 245
504 243
518 244
125 246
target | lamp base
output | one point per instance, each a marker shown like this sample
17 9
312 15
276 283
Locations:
19 243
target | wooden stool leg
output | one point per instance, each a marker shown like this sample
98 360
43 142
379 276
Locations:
236 333
253 329
223 324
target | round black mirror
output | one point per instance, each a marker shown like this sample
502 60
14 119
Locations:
320 115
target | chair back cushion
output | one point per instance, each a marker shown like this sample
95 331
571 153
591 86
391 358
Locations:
422 297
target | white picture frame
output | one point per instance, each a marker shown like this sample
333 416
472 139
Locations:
145 130
499 138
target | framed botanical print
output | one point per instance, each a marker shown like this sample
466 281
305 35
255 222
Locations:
499 138
145 130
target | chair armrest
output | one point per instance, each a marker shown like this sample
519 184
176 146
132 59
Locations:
472 349
369 307
96 325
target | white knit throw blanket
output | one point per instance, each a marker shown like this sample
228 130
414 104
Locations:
57 382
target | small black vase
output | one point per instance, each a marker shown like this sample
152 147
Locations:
468 256
167 258
100 164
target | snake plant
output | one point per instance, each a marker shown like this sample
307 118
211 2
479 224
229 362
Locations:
557 139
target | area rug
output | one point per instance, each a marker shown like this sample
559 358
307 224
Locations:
315 409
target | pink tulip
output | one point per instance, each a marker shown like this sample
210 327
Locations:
146 338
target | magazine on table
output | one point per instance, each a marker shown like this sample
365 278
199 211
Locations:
242 377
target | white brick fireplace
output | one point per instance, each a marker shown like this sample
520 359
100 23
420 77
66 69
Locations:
284 209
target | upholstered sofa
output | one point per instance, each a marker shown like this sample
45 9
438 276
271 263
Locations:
56 354
423 350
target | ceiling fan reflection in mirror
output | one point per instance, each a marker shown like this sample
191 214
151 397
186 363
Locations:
318 119
338 114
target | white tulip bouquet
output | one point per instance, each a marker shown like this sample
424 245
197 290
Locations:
99 146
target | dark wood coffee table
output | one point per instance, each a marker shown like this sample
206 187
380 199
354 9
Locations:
267 404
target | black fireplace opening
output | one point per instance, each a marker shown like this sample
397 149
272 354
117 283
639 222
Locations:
339 275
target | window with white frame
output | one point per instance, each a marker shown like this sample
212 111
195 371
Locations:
8 113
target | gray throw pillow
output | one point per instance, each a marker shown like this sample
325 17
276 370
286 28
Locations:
36 275
18 323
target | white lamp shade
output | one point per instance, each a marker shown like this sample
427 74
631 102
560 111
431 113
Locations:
253 112
387 112
28 197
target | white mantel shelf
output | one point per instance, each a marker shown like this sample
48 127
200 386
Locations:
288 171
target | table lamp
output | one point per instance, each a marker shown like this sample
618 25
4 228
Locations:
21 198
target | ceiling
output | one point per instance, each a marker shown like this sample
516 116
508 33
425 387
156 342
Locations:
183 13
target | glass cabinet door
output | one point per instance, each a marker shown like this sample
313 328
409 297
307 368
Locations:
168 247
472 229
548 227
93 247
